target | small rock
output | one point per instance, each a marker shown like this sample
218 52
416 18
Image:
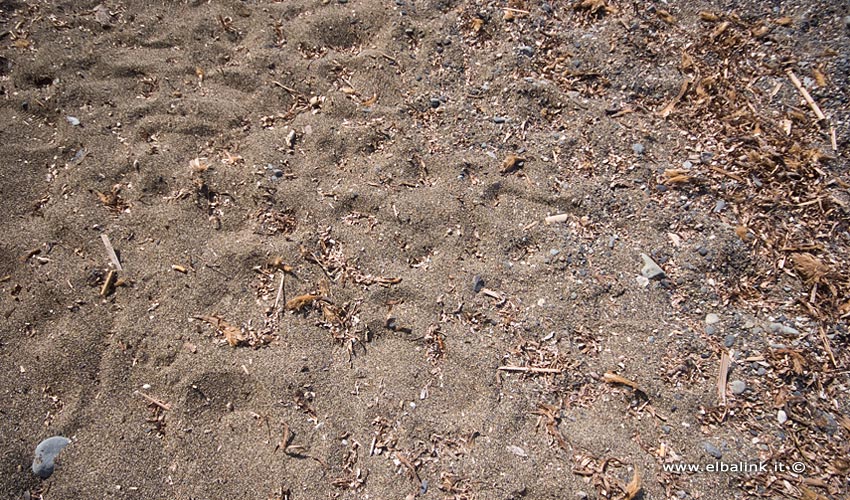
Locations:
650 269
554 252
710 329
783 329
477 284
435 103
761 371
711 319
516 450
705 157
702 251
581 495
638 148
719 206
738 387
666 429
45 455
526 50
687 164
499 119
277 173
661 188
73 120
642 281
781 417
729 341
712 450
826 422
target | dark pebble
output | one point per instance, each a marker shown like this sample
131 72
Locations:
435 103
661 188
702 251
46 453
712 450
729 341
526 50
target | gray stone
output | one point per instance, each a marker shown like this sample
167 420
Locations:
435 103
710 329
650 269
705 157
73 120
687 164
477 284
554 251
711 319
826 422
526 50
783 329
499 119
712 450
781 416
719 206
45 455
761 371
666 429
729 341
738 387
638 148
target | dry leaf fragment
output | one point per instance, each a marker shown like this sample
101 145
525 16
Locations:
760 31
710 17
232 334
743 233
300 302
633 488
810 495
477 25
371 101
198 165
820 78
595 7
665 16
687 61
665 112
783 21
512 163
810 268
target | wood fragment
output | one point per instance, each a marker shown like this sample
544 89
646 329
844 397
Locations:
806 96
109 283
528 369
110 251
613 378
722 377
709 16
232 334
178 268
154 401
279 292
556 218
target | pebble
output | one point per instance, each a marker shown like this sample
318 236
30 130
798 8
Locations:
661 188
710 329
642 281
711 319
666 429
782 329
761 371
827 423
477 284
526 50
45 454
738 387
712 450
650 269
729 341
73 120
516 450
719 206
702 251
705 156
781 416
435 103
638 148
499 119
277 173
687 164
554 252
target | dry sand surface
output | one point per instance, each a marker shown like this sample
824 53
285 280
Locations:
337 279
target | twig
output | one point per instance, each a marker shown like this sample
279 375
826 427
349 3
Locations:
805 94
528 369
284 87
111 252
832 138
279 293
827 347
154 401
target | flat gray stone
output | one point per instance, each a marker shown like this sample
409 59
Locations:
738 387
712 450
45 454
711 319
729 341
650 269
783 329
781 416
